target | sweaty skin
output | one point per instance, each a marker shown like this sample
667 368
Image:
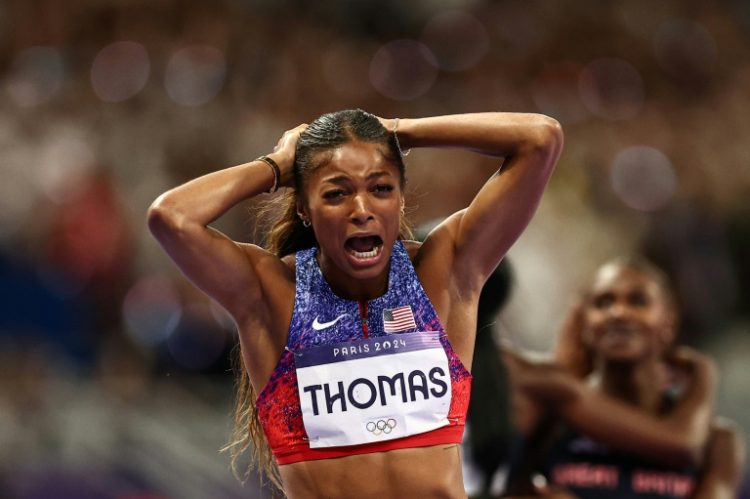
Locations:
357 192
402 473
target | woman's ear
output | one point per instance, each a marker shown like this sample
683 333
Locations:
301 208
302 211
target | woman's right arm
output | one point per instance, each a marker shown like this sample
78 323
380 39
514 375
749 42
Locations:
224 269
724 464
678 438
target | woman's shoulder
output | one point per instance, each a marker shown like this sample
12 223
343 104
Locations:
290 261
412 248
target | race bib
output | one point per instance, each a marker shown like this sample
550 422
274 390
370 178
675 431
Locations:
373 390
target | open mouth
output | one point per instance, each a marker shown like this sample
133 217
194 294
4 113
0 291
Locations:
621 330
364 247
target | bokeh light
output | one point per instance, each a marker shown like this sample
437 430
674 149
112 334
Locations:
457 39
62 162
198 341
643 178
120 70
611 89
403 70
195 75
151 310
36 75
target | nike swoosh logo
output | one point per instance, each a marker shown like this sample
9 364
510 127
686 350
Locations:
317 325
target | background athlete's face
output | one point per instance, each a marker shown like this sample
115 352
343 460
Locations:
627 316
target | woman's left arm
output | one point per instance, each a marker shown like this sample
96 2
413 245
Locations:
483 232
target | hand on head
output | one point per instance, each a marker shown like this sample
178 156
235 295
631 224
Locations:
283 153
388 123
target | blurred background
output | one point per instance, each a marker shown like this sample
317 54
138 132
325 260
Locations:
115 375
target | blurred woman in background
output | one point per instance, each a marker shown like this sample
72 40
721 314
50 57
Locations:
358 341
622 413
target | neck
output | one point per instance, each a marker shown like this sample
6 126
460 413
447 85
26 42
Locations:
360 290
638 383
348 288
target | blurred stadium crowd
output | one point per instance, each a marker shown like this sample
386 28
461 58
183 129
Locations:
115 373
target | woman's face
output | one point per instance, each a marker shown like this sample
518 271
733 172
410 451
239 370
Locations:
627 316
354 202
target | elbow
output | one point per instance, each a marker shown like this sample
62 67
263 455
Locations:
688 454
555 133
161 218
542 142
548 137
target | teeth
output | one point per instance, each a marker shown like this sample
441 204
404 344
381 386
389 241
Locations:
366 254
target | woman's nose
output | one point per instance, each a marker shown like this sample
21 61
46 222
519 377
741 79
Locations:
619 309
361 211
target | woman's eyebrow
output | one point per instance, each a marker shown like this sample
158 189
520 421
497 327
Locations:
342 179
379 173
339 179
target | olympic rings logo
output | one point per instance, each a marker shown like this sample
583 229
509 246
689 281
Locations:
381 426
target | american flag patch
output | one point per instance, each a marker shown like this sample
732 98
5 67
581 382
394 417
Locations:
398 319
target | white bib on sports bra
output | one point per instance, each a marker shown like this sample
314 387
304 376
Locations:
373 390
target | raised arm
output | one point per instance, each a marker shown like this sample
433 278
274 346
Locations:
224 269
678 438
530 145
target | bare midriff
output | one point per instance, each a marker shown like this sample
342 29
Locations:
428 472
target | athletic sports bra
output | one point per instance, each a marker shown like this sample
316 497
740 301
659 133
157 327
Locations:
362 377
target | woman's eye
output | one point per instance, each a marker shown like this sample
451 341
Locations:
638 299
333 194
383 188
603 301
